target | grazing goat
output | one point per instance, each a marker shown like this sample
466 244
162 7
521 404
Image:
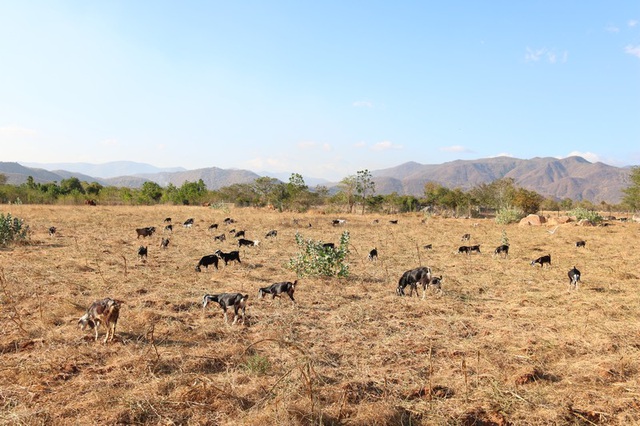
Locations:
466 237
243 242
228 221
105 311
168 228
413 277
228 257
428 247
188 223
464 249
213 226
238 234
542 260
503 249
142 252
226 300
272 233
435 282
336 222
210 259
145 232
52 230
167 220
164 243
475 248
278 289
394 221
327 246
373 254
581 243
574 278
220 237
375 221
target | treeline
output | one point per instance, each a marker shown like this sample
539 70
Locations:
354 193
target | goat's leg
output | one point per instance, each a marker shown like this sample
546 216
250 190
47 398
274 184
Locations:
97 325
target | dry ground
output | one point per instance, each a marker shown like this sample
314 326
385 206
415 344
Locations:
507 343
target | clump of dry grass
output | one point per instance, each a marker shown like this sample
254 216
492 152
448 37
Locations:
506 343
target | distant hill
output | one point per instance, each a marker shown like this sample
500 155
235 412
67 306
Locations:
106 170
571 177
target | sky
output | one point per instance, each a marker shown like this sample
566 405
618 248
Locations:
320 88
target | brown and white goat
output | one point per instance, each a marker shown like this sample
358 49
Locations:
105 311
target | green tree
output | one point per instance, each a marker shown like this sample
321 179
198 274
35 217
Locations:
631 196
348 191
528 201
3 179
67 186
150 193
93 188
365 186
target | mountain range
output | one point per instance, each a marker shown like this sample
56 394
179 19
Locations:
571 177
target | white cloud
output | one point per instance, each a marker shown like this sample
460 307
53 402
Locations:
267 163
632 23
161 147
360 144
589 156
362 104
502 154
535 55
455 148
16 131
110 142
632 50
384 146
612 29
306 145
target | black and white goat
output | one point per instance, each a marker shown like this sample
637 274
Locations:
542 260
227 300
373 254
188 223
105 311
228 257
52 230
210 259
164 243
413 277
228 220
503 249
167 220
220 237
574 277
278 289
336 222
213 226
466 237
581 243
248 243
168 228
272 233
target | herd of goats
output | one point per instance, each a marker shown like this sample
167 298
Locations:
105 312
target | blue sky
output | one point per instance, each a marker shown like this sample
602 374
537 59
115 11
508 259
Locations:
319 88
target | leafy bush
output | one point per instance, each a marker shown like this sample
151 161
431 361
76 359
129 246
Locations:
582 213
504 239
314 259
509 215
12 229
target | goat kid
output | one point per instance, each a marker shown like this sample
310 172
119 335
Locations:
227 300
105 311
278 289
228 257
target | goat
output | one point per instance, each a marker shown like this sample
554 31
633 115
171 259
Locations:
503 249
243 242
226 300
413 277
238 234
188 223
581 243
168 228
336 222
375 221
464 249
164 243
272 233
210 259
213 226
220 237
435 282
228 257
466 237
228 221
105 311
428 247
373 254
167 220
542 260
394 221
278 289
475 248
574 278
142 252
145 232
52 230
327 246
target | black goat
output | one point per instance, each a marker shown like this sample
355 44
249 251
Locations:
52 230
228 220
503 249
213 226
168 228
250 243
142 252
226 300
167 220
278 289
413 277
574 277
210 259
428 247
542 260
228 257
581 243
373 254
239 234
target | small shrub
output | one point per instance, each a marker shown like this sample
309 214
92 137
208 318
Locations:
504 240
582 213
509 215
257 364
12 229
314 259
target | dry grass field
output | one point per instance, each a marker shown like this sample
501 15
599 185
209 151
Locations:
506 342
